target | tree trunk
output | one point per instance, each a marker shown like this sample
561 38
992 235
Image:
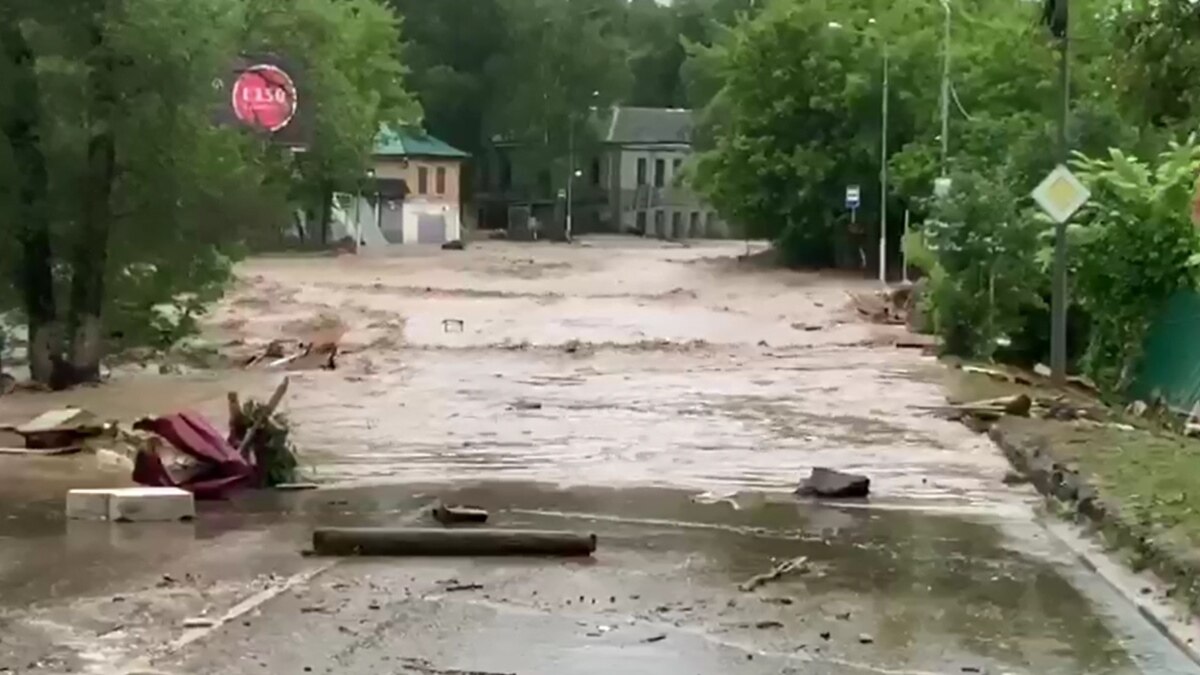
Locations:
90 257
35 277
326 211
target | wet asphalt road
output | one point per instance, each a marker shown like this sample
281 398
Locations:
679 397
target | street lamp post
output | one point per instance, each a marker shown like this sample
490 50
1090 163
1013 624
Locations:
570 174
946 91
883 172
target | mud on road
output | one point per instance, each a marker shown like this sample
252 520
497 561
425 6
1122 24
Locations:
620 363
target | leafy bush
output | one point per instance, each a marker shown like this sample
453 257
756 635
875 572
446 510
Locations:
1139 247
985 278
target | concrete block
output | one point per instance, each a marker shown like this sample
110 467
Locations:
88 504
131 504
151 504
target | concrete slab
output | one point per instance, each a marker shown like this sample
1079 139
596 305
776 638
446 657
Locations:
140 504
88 504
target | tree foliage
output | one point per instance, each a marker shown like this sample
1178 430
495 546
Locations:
123 205
1138 248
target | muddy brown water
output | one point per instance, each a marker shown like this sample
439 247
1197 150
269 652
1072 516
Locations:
667 397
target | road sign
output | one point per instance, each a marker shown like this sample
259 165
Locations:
1061 194
264 97
853 196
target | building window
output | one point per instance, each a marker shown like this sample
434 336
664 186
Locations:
660 170
694 225
422 180
595 171
505 172
677 225
676 165
660 222
711 223
641 222
641 171
440 180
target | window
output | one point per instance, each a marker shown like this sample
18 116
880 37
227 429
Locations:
660 222
641 171
694 225
660 170
677 225
505 172
595 171
676 164
641 222
440 180
422 180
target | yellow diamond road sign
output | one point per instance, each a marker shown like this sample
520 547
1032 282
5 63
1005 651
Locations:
1061 194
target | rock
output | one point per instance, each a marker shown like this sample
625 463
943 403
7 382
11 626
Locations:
825 482
655 638
526 405
825 635
763 625
865 639
199 622
456 245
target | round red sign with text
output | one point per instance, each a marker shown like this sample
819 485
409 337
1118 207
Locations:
264 97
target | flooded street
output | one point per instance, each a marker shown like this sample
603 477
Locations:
621 364
665 398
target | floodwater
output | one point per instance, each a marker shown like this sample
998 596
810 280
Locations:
666 398
620 364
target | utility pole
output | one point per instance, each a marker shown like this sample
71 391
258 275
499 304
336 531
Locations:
883 172
570 173
1060 26
946 91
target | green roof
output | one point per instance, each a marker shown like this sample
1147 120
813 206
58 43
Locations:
413 143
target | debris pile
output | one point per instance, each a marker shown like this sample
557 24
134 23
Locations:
180 450
296 355
890 306
979 415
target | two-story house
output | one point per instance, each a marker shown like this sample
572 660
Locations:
641 165
628 178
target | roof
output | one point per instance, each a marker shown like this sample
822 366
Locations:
413 143
650 126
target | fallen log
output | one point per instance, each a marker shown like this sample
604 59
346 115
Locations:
399 541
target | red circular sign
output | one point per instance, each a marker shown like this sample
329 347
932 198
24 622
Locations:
264 97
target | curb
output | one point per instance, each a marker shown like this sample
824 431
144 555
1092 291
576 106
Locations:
1051 480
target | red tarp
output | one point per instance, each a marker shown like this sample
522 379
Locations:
222 470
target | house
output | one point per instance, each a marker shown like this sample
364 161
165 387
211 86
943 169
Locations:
416 188
628 177
640 167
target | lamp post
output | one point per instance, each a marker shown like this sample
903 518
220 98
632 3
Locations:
572 172
883 171
946 91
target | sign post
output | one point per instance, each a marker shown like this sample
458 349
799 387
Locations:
853 199
1060 195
